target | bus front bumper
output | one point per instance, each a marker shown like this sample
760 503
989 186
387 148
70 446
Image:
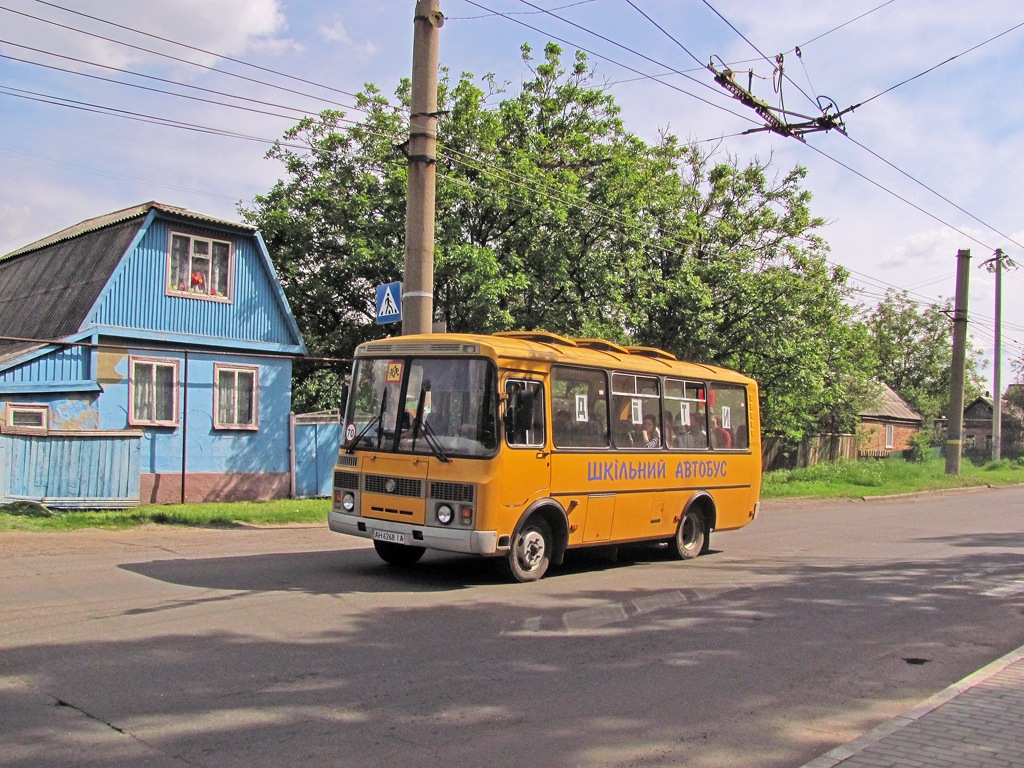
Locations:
431 537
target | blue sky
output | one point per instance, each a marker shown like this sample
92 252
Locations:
958 129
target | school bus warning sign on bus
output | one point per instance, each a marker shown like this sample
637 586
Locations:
523 445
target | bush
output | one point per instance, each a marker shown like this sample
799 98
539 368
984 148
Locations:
995 466
920 447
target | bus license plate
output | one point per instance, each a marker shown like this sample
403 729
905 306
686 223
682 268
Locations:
390 537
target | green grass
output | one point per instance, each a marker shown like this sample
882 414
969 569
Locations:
24 516
882 477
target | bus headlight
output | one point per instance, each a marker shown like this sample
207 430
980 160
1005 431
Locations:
348 502
445 514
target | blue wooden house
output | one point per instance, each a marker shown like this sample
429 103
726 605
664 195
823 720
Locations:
145 356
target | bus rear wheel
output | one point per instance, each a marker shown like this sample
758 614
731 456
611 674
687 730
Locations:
691 536
398 554
530 555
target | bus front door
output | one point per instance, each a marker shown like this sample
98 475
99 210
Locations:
526 464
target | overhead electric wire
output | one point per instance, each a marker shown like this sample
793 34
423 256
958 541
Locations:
732 64
762 54
626 48
835 160
916 181
141 75
665 32
612 61
941 63
937 194
516 13
200 50
132 115
181 60
172 123
899 197
151 89
845 23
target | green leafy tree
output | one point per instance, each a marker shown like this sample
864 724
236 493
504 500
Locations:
540 206
741 280
914 347
551 215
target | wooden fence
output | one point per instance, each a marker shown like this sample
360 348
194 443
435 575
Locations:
780 453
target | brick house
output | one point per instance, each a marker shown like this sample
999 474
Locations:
887 425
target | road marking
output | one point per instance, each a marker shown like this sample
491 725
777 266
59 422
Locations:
610 613
1015 587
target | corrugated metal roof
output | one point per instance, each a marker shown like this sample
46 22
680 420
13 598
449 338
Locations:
890 405
47 293
108 219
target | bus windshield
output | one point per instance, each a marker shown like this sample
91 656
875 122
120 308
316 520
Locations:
424 406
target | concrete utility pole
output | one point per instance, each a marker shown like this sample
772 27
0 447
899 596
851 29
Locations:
997 392
995 264
418 291
955 431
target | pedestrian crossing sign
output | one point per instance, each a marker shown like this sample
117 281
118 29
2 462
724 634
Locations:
389 303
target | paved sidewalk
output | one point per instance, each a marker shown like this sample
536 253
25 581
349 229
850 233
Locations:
976 723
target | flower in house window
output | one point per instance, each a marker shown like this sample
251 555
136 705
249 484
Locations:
197 280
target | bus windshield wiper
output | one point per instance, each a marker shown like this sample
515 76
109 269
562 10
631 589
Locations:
419 425
379 418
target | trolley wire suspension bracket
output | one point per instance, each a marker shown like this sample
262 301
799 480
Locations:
830 119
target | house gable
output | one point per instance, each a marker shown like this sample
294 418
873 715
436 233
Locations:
138 301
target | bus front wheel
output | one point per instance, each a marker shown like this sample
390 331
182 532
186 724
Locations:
530 555
398 554
691 535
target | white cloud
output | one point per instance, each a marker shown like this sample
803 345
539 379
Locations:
335 32
227 27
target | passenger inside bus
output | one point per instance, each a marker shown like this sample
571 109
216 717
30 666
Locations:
651 435
720 436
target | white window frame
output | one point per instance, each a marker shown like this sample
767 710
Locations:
219 368
191 291
890 436
41 409
133 383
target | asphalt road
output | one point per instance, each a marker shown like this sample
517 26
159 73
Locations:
296 646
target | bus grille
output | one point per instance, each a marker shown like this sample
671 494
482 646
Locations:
349 480
452 491
403 486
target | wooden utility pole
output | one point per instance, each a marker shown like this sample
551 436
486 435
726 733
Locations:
418 290
955 430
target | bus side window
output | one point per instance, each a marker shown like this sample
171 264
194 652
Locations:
729 423
524 413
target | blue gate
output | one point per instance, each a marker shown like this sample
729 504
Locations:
317 440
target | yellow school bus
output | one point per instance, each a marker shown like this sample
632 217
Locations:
522 445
